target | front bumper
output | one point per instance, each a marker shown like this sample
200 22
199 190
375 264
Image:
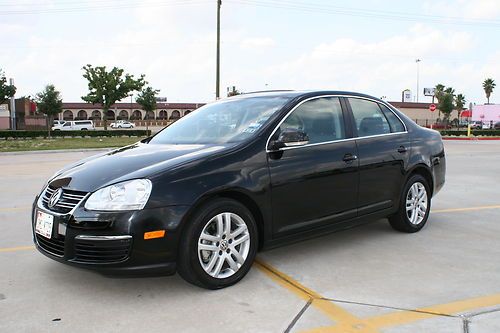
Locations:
113 242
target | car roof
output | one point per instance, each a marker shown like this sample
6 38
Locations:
302 93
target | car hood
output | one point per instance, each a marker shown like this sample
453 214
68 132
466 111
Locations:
131 162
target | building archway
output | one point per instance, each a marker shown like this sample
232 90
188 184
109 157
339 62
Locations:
110 115
136 115
150 115
68 115
82 115
175 115
187 112
123 115
96 115
162 115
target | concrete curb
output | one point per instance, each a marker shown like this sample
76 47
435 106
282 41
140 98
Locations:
30 152
470 139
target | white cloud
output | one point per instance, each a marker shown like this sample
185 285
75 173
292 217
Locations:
383 67
257 43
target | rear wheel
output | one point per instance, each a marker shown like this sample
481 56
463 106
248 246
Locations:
219 245
415 205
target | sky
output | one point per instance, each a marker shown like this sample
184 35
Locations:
368 46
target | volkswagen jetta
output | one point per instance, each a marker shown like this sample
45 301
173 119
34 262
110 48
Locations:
251 172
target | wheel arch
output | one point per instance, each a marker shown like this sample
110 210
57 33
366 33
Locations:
424 171
239 196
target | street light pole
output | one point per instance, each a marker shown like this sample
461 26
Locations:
418 73
217 74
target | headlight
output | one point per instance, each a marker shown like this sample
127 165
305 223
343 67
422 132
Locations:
129 195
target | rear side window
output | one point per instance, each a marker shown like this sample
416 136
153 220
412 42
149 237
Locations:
368 117
396 124
321 119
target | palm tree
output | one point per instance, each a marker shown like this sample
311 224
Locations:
488 86
439 91
450 91
459 103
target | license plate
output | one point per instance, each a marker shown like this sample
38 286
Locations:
44 223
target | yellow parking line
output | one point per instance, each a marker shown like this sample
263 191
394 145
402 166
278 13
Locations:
448 309
11 209
19 248
344 320
465 209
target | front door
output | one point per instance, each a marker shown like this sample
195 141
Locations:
316 183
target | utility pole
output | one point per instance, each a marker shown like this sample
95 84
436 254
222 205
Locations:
217 75
418 73
13 108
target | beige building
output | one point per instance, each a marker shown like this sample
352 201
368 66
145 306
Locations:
420 112
127 111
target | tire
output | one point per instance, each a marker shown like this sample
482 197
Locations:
219 246
414 218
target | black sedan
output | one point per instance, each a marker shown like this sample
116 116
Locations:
247 173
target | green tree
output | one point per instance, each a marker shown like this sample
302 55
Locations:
460 103
439 91
6 90
488 86
108 87
446 106
49 102
147 99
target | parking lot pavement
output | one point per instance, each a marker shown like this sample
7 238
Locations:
368 279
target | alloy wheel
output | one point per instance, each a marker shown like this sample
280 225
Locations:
223 245
416 203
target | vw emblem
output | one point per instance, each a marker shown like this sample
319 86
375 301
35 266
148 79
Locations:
54 198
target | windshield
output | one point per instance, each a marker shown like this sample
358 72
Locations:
222 122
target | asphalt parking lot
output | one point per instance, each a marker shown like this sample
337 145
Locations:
445 278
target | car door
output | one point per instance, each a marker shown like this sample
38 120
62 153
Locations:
316 183
383 151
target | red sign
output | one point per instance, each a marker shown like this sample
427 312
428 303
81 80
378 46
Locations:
432 107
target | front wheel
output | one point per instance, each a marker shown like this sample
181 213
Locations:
414 207
219 245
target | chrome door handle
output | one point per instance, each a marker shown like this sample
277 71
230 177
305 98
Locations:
348 158
402 149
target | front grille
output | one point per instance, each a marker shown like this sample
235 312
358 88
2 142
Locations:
102 251
54 246
69 200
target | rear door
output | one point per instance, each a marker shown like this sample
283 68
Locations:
383 150
314 184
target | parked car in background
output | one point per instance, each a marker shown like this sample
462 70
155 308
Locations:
122 124
463 123
476 124
77 125
486 125
250 172
497 126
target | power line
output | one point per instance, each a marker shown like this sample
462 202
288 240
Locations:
366 13
104 6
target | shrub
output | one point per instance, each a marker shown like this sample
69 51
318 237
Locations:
473 132
44 134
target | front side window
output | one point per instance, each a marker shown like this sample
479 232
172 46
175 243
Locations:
320 119
67 125
369 119
232 120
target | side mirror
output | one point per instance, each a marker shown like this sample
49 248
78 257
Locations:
290 137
